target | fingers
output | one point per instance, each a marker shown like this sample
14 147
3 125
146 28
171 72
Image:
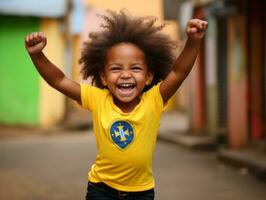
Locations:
35 38
197 25
35 42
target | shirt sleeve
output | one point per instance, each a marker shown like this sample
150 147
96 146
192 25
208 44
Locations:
156 97
90 95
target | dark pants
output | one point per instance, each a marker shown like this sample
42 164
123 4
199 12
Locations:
101 191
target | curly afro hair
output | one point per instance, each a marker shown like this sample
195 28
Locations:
140 31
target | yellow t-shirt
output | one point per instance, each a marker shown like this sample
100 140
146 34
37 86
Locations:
125 141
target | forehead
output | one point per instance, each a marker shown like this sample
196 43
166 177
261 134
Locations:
125 52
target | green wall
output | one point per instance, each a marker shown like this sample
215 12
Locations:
19 81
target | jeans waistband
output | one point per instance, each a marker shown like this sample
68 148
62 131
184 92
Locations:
109 189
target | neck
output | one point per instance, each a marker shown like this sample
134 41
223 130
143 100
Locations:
126 107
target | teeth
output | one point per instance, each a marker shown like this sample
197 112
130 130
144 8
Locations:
126 85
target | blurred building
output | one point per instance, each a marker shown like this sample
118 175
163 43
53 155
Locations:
227 94
25 98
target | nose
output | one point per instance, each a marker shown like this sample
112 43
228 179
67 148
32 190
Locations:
125 74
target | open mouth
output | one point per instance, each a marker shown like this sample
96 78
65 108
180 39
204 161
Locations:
126 88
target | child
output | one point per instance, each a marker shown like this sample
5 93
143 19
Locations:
134 73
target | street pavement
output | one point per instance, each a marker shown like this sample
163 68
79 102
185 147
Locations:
54 167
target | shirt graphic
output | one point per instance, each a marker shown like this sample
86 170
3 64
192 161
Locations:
122 133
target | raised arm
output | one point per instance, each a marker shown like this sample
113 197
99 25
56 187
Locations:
182 66
34 44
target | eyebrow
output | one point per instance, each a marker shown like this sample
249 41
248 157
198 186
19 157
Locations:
114 63
120 64
138 63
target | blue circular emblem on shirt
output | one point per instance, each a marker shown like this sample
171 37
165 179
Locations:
122 133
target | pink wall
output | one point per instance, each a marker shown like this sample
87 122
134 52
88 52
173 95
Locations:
237 83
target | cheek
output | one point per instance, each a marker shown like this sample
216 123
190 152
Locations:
112 78
142 80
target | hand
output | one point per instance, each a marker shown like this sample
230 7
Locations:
35 42
196 28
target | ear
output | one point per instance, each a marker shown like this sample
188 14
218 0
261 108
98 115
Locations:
102 76
149 78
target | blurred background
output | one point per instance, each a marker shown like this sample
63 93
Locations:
224 96
221 105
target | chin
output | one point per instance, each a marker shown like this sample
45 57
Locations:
125 99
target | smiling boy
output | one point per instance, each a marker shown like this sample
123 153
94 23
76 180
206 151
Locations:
134 73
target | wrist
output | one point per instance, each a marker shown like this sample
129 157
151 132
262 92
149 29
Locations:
35 52
36 55
194 39
192 42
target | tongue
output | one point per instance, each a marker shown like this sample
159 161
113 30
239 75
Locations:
125 90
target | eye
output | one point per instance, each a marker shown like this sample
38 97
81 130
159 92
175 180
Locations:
114 68
137 68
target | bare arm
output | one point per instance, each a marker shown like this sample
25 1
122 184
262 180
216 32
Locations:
182 66
34 44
